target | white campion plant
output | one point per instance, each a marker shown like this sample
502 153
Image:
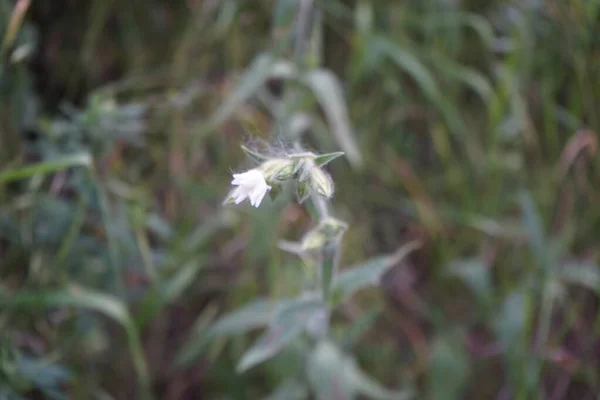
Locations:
304 167
286 319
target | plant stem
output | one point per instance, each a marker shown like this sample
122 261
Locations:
329 256
305 9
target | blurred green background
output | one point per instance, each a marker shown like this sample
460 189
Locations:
470 125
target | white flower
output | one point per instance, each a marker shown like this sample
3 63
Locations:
250 185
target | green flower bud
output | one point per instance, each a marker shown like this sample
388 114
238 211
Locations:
302 192
321 182
304 166
328 230
333 227
279 169
313 240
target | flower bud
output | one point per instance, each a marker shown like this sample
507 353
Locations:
333 227
302 192
320 182
313 240
328 230
278 169
303 167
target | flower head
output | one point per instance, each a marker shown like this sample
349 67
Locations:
320 182
303 167
250 185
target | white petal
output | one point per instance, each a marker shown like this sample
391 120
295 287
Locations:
251 177
258 194
254 197
251 185
257 198
239 179
239 194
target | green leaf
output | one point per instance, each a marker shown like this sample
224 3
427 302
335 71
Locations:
262 68
583 274
367 386
329 93
254 155
474 272
289 322
9 394
449 369
268 345
480 25
409 63
203 234
368 273
189 265
182 280
336 376
42 374
468 76
359 327
47 167
533 227
283 15
324 159
302 192
326 373
328 266
254 315
78 297
511 321
289 390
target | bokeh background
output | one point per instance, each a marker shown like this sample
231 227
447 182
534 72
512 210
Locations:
469 125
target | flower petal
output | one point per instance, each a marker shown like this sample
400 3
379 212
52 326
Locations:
251 175
239 195
251 185
258 194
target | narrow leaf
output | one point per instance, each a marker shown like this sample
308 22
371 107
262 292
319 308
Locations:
480 25
368 273
511 320
289 390
409 63
289 322
328 266
251 316
334 375
82 298
254 155
372 389
269 345
262 68
533 226
324 159
583 274
449 369
468 76
474 273
47 167
328 90
326 373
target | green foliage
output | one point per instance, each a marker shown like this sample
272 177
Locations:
469 264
